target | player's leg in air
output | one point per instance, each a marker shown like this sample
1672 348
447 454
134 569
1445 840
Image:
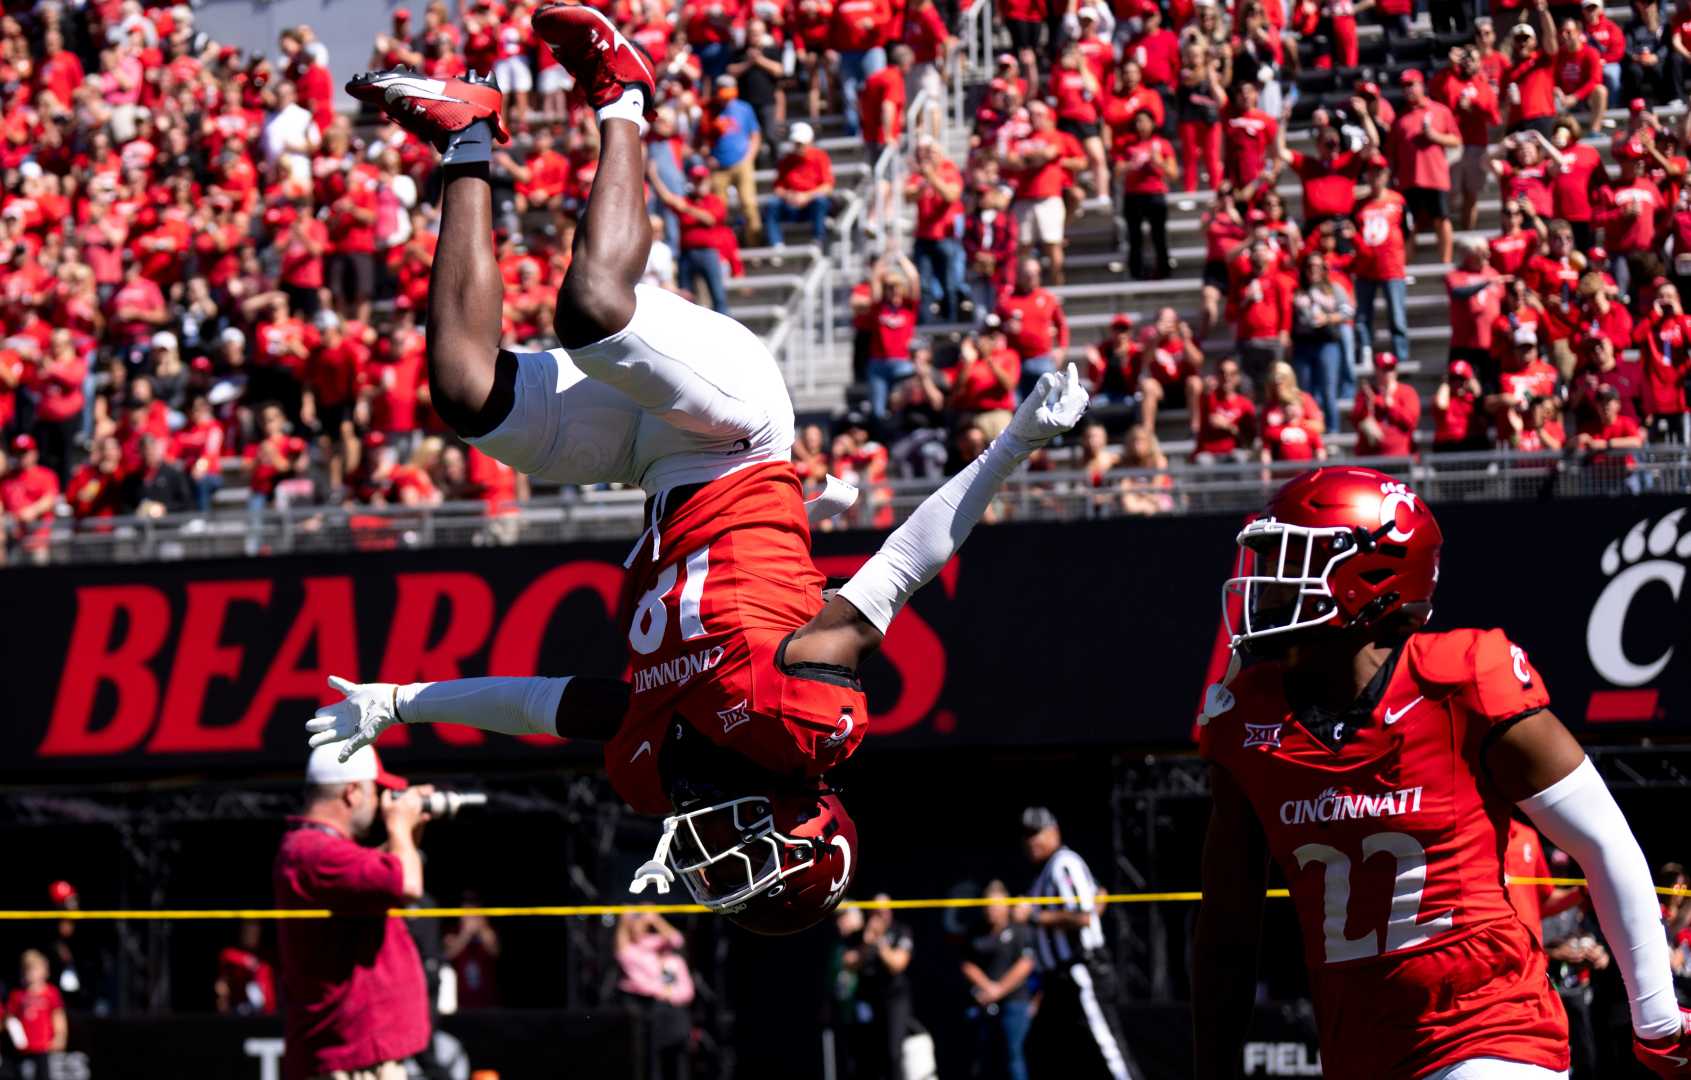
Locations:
678 399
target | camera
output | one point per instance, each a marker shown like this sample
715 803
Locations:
446 804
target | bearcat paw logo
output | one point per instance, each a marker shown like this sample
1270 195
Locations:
1647 555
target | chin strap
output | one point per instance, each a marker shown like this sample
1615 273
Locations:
655 871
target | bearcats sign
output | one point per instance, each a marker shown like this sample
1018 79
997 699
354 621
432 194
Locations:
1085 634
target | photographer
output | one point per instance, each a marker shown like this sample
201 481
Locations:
356 1005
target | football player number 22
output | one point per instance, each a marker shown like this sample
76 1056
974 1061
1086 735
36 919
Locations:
1403 926
651 615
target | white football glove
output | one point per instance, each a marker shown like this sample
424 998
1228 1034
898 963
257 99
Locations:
1056 404
367 712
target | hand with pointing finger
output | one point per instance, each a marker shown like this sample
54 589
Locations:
367 711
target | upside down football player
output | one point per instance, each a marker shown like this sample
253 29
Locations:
744 685
1378 764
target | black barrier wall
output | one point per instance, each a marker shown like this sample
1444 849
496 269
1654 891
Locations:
1089 634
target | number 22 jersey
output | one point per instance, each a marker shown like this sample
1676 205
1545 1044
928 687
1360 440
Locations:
1392 848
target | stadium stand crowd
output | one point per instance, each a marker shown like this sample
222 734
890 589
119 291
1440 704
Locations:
214 283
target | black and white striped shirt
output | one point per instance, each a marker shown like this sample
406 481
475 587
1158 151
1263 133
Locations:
1066 875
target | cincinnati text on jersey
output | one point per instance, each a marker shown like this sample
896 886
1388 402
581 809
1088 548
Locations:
677 671
1333 805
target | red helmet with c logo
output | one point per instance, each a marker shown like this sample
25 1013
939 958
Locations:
1340 547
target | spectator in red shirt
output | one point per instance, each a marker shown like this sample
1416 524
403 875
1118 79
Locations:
353 993
1034 323
894 287
1420 137
1458 422
1579 74
1629 214
1295 438
1146 164
1608 39
1663 337
198 448
1200 97
28 494
334 383
39 1010
97 490
1380 263
804 186
989 244
1170 364
1476 297
1040 164
1604 369
937 188
1263 329
857 32
276 457
1525 380
704 230
1080 98
1613 429
1386 412
57 382
1329 178
1226 418
1464 89
983 386
1529 81
1249 138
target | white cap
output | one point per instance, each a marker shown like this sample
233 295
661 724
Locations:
30 170
1526 335
164 339
802 133
325 767
232 335
1525 30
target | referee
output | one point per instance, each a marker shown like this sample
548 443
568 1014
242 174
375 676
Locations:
1076 1032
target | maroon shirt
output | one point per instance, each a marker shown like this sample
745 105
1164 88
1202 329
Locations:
352 985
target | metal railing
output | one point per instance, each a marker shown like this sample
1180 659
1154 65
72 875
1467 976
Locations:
974 59
1063 494
803 336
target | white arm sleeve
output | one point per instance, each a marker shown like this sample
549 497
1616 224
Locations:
917 550
509 706
1579 816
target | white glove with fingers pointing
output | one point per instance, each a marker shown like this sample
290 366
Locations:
1055 405
366 712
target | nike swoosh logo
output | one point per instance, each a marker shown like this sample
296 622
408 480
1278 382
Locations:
1394 715
645 748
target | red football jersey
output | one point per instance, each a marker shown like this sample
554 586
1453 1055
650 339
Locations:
1392 847
732 580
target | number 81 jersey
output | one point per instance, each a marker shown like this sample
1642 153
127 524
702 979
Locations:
1392 848
707 619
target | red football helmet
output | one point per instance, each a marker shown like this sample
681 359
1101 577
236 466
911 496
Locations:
772 864
1339 547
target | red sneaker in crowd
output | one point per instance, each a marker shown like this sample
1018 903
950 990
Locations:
431 109
595 53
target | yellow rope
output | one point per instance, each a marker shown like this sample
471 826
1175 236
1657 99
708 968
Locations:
580 910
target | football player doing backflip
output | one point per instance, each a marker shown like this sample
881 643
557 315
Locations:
744 685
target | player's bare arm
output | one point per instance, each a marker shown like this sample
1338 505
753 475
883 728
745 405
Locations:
1229 930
